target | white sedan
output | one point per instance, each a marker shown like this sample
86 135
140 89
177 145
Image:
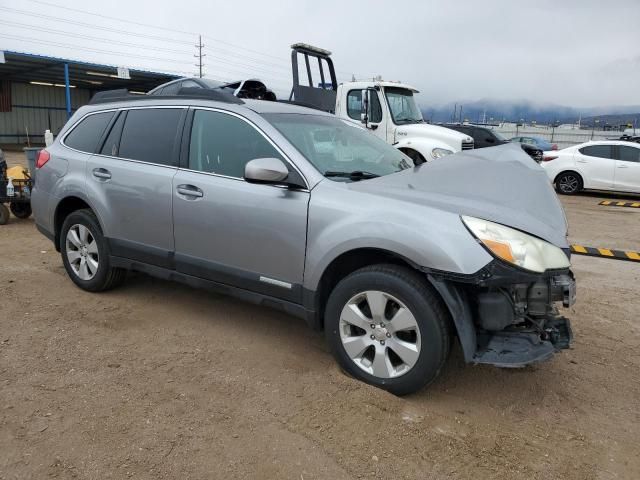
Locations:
605 165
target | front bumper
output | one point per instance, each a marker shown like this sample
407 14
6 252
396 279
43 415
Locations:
508 317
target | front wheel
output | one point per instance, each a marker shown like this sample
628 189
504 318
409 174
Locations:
568 183
387 327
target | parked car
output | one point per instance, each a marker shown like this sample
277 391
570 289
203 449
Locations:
537 142
251 88
603 165
302 211
487 137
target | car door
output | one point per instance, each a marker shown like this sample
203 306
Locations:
130 182
596 163
231 231
627 172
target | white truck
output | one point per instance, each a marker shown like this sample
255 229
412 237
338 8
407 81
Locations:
387 109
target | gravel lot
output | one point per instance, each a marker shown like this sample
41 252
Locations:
157 380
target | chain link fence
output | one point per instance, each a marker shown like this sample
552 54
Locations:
563 137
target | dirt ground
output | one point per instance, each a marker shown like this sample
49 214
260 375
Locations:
155 380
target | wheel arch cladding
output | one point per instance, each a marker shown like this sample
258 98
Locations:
64 208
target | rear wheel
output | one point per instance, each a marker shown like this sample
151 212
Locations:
569 183
21 210
387 327
85 253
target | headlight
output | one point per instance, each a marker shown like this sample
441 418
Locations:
516 247
440 152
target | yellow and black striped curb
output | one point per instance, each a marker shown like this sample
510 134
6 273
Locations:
613 203
629 256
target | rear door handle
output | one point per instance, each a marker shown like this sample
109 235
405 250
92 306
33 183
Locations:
189 191
581 161
102 173
623 166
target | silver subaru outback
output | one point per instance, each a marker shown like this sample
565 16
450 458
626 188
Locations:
298 210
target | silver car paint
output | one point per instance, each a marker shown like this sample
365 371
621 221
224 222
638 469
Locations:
414 213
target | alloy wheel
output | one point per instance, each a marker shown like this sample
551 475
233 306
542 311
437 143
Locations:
82 252
568 183
380 334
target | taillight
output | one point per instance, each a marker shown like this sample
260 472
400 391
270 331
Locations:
43 157
554 147
549 158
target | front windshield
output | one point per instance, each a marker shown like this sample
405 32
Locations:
337 146
499 136
402 105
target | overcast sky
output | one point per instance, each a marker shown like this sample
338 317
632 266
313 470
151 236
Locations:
578 53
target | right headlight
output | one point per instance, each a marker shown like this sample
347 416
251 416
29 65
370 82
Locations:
440 152
515 247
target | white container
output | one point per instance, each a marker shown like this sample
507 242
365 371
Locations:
48 137
10 189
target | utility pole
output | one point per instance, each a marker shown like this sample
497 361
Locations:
200 55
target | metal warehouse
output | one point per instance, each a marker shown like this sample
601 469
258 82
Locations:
39 92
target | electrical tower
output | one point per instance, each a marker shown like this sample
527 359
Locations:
200 56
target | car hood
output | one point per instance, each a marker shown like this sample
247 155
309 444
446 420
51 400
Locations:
501 184
446 135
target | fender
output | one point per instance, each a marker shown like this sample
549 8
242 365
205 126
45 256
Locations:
423 146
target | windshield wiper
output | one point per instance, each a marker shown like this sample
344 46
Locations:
355 175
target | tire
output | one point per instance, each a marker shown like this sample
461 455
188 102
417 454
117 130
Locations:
415 156
21 210
569 183
399 359
85 253
4 214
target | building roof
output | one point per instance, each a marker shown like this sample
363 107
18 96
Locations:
28 67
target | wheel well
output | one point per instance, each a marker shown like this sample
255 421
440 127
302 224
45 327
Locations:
346 264
569 171
64 208
411 153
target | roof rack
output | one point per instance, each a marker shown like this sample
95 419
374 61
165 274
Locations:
122 94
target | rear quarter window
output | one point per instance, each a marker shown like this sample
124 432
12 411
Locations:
86 135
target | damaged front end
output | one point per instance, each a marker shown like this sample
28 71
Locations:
508 317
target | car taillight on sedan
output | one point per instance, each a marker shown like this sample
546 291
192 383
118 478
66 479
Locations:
43 157
548 158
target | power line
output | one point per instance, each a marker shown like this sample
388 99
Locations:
95 50
95 27
111 18
89 37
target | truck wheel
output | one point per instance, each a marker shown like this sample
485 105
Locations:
20 210
4 214
85 253
387 327
415 156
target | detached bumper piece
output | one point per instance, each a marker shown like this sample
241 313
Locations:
518 324
515 349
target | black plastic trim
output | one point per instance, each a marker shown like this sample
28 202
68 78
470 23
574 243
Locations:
141 252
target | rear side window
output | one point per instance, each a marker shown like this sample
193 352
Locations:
150 135
86 135
629 154
223 144
601 151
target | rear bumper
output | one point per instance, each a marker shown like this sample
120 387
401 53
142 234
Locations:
508 317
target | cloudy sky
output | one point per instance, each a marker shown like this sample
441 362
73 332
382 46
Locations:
579 53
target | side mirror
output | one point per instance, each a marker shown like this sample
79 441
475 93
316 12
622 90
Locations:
266 170
364 113
490 140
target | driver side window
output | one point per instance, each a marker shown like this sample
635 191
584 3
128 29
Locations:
354 105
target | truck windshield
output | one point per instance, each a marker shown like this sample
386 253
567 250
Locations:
402 105
339 149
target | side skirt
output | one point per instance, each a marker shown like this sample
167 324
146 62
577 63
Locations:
245 295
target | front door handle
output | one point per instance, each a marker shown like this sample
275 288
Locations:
102 173
189 191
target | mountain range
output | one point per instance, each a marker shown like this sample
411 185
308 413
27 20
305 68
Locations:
493 111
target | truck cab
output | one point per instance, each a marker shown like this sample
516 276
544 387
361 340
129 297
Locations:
388 109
